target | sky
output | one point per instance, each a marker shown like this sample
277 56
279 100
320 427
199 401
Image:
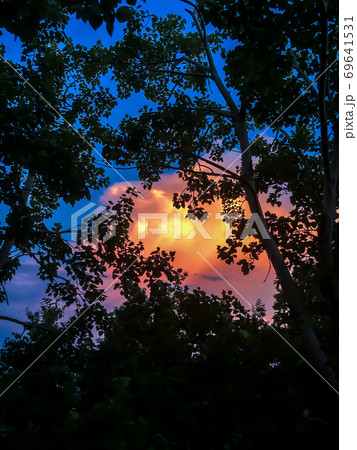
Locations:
25 290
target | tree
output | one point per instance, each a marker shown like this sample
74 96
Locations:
24 20
186 130
41 158
54 108
174 369
169 361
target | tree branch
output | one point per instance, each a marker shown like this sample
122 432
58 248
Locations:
178 60
214 74
303 74
219 111
28 324
183 74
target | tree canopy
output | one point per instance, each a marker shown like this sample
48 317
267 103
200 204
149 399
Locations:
172 368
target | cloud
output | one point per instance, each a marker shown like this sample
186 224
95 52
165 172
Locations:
159 200
26 290
208 277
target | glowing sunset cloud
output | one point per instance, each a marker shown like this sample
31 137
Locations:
159 201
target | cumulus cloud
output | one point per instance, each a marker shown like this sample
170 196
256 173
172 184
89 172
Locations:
159 200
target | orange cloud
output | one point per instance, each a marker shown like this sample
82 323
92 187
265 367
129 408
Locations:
159 200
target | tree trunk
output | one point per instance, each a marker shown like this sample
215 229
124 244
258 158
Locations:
293 295
328 271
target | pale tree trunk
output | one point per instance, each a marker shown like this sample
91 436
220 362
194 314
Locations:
9 243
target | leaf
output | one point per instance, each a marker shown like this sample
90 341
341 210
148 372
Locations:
110 27
95 20
95 7
124 13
